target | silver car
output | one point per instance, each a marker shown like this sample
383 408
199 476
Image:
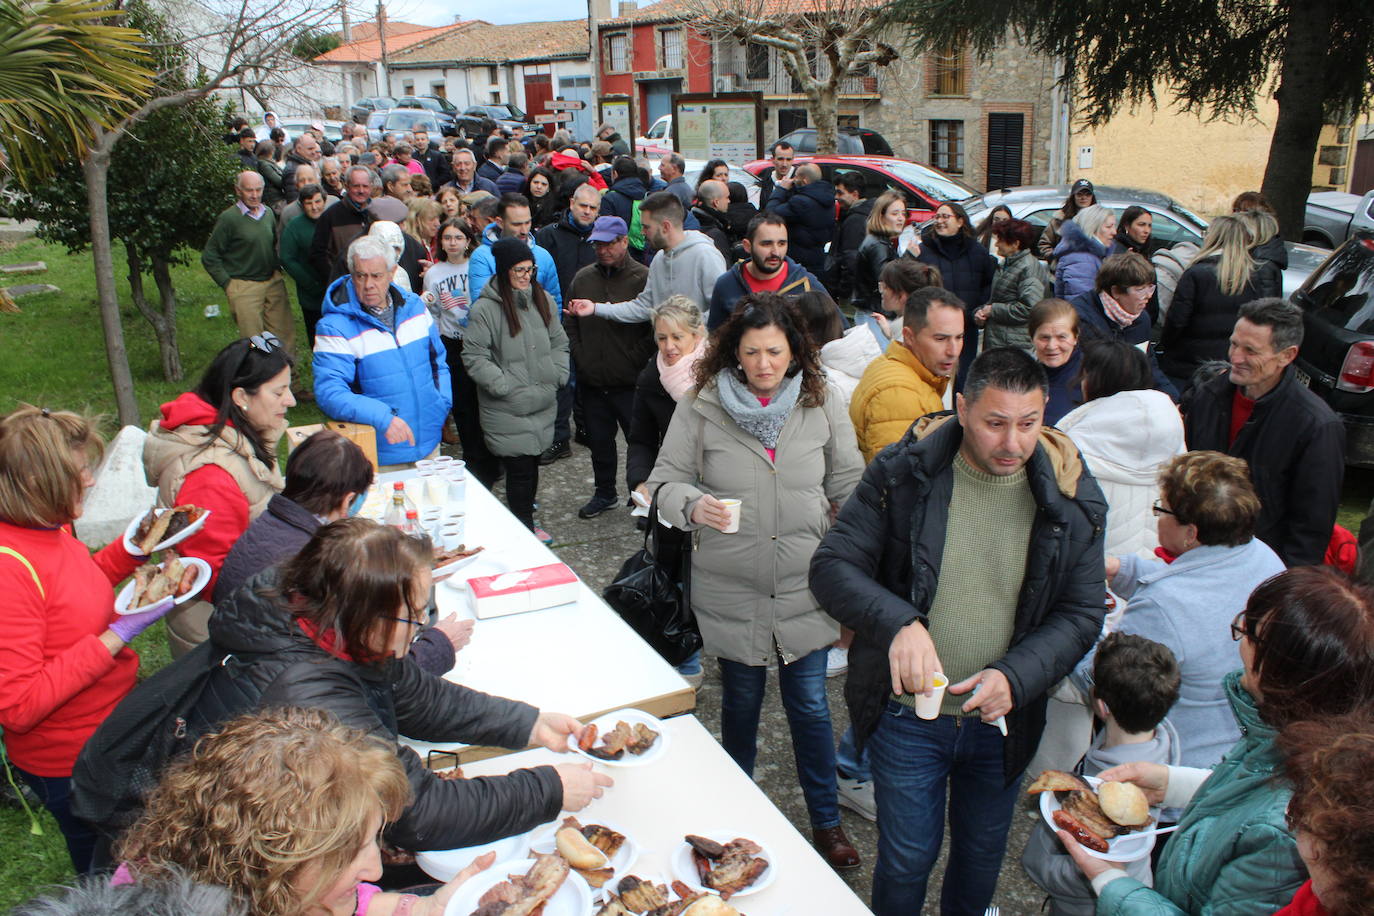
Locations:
1173 222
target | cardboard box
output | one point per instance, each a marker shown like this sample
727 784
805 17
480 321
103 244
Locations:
522 590
360 434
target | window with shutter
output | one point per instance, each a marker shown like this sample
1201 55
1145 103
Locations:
947 146
756 62
948 73
1005 134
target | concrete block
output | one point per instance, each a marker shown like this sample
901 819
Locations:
27 267
121 491
31 289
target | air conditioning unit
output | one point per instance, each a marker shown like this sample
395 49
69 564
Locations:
727 82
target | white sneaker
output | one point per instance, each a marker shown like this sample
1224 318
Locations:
836 662
857 796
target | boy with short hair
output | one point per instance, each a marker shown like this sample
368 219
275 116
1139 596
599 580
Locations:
1136 682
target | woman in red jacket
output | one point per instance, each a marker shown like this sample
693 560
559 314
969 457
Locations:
64 656
215 447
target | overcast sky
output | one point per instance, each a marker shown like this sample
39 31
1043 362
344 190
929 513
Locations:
442 12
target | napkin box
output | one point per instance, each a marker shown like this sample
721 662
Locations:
521 590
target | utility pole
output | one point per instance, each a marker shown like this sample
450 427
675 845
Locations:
385 88
347 33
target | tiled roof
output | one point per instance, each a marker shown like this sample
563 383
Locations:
365 31
662 11
486 43
369 50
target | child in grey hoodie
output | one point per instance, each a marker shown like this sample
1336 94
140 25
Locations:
1136 681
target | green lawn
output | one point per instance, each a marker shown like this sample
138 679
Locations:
55 357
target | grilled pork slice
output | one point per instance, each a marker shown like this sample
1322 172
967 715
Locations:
525 894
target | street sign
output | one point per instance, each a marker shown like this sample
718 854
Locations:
551 118
565 105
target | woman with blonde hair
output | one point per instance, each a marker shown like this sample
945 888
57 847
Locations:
64 655
885 223
1265 242
283 808
680 333
1223 277
422 224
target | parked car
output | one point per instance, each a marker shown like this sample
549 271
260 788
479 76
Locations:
443 109
506 116
1337 356
923 187
852 141
294 127
363 107
1173 222
657 139
1332 216
748 179
403 120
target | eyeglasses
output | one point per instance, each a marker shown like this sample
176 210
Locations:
1238 631
407 620
1160 510
522 271
267 342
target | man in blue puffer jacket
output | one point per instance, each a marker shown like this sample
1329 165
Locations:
378 358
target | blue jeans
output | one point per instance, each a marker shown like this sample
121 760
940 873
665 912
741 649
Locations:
691 665
802 685
912 761
850 762
55 792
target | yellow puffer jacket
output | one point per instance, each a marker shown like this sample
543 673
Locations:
894 392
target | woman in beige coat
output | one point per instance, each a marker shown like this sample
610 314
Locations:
761 429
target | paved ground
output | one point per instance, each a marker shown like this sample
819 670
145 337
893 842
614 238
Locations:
595 549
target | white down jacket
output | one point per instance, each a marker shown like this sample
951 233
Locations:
1126 439
845 359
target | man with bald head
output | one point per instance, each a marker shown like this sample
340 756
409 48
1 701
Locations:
305 151
713 200
241 256
806 202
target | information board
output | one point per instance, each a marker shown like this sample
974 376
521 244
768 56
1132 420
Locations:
617 111
725 126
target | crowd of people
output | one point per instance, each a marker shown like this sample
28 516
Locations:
980 466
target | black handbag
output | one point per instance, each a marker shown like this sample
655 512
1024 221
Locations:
652 591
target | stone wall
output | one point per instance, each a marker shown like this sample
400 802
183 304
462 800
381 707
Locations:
1011 80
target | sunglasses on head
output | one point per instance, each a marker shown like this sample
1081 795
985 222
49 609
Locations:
267 342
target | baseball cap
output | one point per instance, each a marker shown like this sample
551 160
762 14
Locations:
317 125
1082 184
608 229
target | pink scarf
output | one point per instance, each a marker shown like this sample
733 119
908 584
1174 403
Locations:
1115 312
679 378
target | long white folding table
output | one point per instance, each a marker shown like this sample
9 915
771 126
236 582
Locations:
579 658
697 788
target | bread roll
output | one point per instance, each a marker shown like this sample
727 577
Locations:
1124 803
573 846
710 905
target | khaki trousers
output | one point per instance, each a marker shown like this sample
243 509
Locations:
260 305
188 626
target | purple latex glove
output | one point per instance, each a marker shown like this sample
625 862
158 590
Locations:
127 626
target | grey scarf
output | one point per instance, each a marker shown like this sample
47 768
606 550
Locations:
763 423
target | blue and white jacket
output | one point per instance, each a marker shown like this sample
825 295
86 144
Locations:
367 373
482 266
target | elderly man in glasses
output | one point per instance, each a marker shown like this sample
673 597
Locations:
379 359
241 256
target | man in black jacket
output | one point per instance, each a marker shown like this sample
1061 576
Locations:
1294 443
850 230
434 161
609 354
972 548
807 202
714 197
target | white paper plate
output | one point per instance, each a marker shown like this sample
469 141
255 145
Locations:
487 564
445 864
573 898
1126 848
685 870
542 841
607 722
453 566
177 538
126 594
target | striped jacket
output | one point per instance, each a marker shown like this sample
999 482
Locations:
368 373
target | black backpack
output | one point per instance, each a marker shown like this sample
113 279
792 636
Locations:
122 762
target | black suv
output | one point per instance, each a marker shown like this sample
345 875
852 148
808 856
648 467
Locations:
506 116
1337 356
362 108
443 109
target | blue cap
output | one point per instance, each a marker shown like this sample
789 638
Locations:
608 229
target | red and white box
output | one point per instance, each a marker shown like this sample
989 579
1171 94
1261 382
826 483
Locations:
522 590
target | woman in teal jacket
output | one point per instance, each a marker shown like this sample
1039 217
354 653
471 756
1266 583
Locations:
1307 646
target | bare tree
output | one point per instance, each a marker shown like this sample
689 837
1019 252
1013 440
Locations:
821 43
223 47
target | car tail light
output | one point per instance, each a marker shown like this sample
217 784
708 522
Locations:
1357 372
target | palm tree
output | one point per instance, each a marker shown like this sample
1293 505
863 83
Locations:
65 70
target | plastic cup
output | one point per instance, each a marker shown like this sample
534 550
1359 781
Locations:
734 506
436 489
441 461
928 707
452 532
424 464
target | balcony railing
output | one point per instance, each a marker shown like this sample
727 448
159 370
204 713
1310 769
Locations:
731 66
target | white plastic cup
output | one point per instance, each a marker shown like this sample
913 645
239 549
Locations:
441 461
451 534
733 505
437 489
928 707
424 464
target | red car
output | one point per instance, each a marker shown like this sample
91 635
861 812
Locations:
924 188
